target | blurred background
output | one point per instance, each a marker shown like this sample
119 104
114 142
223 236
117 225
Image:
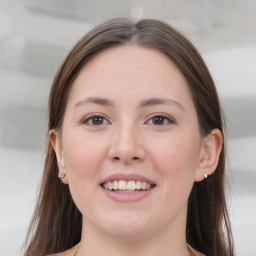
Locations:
35 36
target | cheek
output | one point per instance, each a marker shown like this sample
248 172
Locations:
175 161
176 158
83 158
83 154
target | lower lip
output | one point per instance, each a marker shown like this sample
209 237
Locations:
127 197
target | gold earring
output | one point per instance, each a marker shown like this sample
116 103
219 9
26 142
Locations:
62 175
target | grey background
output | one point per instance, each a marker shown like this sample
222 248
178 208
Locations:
35 36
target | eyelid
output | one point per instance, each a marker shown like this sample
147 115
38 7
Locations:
89 117
169 118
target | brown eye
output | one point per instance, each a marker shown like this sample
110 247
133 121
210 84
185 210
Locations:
95 121
160 120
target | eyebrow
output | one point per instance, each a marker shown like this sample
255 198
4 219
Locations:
95 100
160 101
144 103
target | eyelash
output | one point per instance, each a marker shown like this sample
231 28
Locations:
167 120
90 118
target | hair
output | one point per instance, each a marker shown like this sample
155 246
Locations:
57 223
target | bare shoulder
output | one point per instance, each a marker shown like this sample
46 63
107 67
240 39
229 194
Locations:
66 253
70 252
195 253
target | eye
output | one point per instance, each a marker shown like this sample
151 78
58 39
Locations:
95 120
160 120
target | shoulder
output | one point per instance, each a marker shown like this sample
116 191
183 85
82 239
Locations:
69 252
195 253
66 253
60 254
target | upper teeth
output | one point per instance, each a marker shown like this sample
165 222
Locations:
126 185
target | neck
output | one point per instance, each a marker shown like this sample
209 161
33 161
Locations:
165 243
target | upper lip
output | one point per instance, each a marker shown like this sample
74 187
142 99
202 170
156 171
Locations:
127 177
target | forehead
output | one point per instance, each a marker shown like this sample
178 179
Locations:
130 71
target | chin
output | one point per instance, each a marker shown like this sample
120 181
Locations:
127 233
128 226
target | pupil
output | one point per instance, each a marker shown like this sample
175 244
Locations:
158 120
97 120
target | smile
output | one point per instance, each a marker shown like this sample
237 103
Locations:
131 186
123 187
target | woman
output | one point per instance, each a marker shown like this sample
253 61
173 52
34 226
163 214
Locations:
136 155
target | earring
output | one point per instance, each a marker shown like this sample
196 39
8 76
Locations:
205 175
62 175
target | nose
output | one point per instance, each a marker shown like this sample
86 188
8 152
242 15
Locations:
126 146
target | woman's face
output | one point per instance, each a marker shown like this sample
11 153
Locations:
130 143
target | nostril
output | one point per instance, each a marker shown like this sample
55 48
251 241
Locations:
135 158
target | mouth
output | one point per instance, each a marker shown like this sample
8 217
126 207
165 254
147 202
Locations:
125 188
130 186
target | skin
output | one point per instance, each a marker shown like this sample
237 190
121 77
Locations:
131 138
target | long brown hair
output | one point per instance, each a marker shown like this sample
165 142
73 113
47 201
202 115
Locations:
56 224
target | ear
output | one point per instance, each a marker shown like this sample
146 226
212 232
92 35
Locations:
209 154
55 139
